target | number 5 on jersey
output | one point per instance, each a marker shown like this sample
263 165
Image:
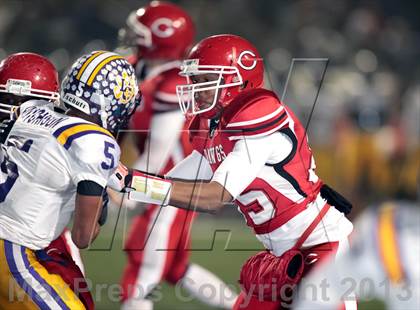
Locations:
109 150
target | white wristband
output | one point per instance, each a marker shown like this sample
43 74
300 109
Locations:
149 189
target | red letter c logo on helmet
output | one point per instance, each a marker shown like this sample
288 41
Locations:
162 27
249 59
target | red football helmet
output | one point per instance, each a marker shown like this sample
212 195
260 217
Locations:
28 74
234 61
161 30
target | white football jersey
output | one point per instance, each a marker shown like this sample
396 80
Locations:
46 155
247 159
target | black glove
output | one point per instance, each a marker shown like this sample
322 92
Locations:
5 128
335 199
104 213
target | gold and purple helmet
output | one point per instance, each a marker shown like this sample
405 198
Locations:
103 85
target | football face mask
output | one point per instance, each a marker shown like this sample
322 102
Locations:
204 88
135 33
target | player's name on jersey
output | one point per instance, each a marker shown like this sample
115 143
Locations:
214 154
40 116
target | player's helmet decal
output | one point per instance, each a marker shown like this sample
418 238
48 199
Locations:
247 67
162 27
125 88
160 30
102 84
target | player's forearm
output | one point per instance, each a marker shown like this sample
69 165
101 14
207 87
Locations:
198 196
85 225
202 197
83 239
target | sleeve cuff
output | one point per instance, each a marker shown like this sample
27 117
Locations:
90 177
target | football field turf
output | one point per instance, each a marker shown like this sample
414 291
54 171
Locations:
233 244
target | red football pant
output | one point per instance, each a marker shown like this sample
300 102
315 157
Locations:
157 249
59 261
321 252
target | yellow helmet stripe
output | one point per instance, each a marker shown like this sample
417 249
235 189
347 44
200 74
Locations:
388 244
87 62
92 65
100 66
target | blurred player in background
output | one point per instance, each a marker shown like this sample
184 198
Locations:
158 242
54 165
382 263
253 151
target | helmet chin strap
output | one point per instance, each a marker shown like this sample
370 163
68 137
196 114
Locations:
103 114
225 94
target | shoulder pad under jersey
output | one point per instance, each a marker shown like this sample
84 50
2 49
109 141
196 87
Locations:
35 102
165 98
92 152
96 152
254 113
76 133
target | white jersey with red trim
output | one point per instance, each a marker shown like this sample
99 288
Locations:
259 152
